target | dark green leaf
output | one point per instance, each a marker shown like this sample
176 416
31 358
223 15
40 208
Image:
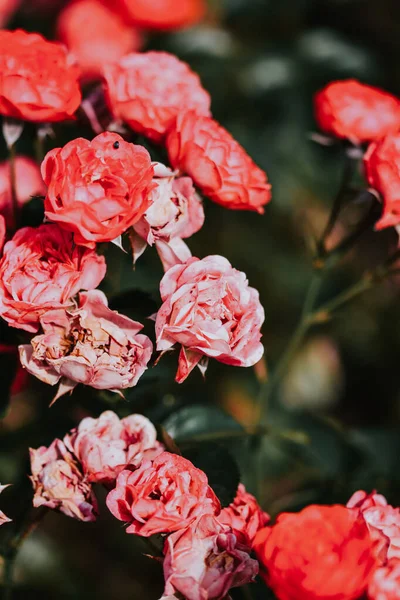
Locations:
199 420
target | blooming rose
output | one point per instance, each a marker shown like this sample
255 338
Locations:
385 582
104 446
148 90
321 552
28 183
91 344
176 213
221 168
161 496
383 522
97 189
160 14
41 270
244 515
95 35
209 308
382 168
59 483
3 518
361 113
204 561
39 81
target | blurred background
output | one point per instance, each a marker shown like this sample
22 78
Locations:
333 427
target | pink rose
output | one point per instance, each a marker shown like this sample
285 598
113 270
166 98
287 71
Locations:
244 516
104 446
92 345
176 213
28 183
161 496
385 582
383 522
59 483
41 270
204 561
3 518
210 310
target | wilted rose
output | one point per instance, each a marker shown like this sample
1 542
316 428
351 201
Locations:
244 516
161 496
217 163
148 90
104 446
175 213
39 81
205 561
59 483
321 552
42 270
91 344
383 522
209 308
97 189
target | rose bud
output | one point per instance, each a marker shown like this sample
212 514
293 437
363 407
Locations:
205 561
382 169
148 90
3 518
95 35
104 446
28 183
209 308
217 163
383 522
385 582
59 483
97 189
39 81
161 15
244 516
355 111
42 270
320 552
161 496
175 213
91 344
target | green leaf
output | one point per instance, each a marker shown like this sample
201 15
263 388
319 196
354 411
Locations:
200 421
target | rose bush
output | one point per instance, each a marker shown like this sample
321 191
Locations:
97 189
205 561
161 496
209 308
217 163
91 344
148 90
361 113
42 270
39 80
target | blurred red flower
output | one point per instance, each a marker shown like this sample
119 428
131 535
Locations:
161 14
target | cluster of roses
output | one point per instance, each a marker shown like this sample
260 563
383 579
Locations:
98 190
364 114
206 549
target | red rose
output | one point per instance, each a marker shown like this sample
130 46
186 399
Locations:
41 270
385 582
163 495
95 35
217 163
244 515
97 189
149 90
160 14
358 112
320 553
382 168
39 81
205 560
